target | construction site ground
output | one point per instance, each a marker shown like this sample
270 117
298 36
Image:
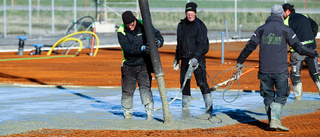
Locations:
103 71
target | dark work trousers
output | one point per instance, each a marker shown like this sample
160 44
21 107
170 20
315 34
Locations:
200 75
296 66
278 81
130 76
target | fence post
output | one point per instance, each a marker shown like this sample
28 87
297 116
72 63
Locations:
227 32
30 19
75 15
52 3
222 47
240 27
5 18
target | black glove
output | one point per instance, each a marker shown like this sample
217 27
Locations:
317 54
158 43
145 49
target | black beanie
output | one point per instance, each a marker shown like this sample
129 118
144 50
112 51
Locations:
287 6
191 7
128 17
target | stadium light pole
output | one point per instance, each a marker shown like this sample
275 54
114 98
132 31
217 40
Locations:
155 59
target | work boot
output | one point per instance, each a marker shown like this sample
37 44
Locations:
297 90
208 102
186 100
318 86
149 111
275 123
186 113
127 113
269 115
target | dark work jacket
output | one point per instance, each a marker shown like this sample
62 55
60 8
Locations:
273 37
131 42
192 40
305 28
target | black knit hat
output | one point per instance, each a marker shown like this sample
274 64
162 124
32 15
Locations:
191 7
128 17
287 6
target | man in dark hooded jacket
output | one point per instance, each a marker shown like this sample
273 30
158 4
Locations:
136 65
273 37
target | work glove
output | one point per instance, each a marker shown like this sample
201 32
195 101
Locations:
317 55
193 62
145 49
175 64
239 67
158 43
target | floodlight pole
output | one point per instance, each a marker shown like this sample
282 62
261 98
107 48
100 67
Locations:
155 58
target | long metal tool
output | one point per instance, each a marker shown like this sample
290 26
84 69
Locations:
187 76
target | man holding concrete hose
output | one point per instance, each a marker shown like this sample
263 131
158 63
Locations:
306 30
192 45
136 66
273 37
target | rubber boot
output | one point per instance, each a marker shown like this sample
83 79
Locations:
186 113
275 123
127 113
297 90
318 86
208 102
186 100
269 115
149 111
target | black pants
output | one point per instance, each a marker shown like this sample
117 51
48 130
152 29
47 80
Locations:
279 81
200 75
130 76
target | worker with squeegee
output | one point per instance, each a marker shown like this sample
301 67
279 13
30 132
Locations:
192 45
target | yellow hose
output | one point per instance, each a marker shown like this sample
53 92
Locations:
64 38
72 39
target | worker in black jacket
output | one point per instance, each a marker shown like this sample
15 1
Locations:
192 45
306 30
136 65
273 37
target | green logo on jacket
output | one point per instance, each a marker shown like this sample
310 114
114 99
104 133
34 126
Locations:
271 39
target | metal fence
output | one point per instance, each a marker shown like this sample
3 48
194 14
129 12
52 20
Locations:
50 17
16 14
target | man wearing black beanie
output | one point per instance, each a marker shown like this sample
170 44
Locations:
192 45
136 66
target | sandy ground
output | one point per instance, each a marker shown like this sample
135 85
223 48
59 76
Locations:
104 71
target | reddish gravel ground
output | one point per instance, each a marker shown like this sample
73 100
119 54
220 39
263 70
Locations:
104 70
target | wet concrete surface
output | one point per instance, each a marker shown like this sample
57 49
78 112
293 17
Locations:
25 108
